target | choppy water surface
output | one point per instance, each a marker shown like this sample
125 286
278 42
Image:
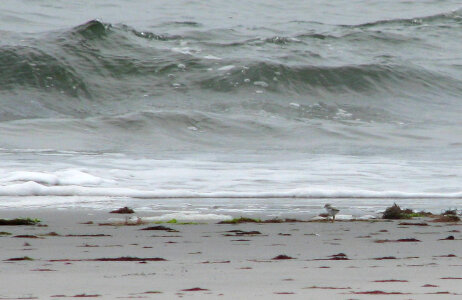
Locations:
154 102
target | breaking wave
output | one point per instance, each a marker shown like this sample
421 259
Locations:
100 68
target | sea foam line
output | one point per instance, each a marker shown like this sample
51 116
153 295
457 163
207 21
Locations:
32 188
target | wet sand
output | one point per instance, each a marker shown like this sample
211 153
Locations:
300 260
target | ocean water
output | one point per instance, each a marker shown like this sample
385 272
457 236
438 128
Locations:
207 109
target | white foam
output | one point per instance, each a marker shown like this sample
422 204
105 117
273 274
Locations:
75 177
32 188
108 179
179 216
188 217
226 68
344 217
293 104
66 177
367 217
341 113
32 176
261 83
212 57
186 50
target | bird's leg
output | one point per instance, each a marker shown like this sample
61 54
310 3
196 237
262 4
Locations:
333 218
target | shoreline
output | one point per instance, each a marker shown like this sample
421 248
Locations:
193 208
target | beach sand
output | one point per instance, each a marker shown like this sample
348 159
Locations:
300 260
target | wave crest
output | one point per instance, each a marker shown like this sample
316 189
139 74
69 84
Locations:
453 16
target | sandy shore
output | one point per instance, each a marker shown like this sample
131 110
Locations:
343 260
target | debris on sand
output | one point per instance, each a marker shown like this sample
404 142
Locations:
19 221
161 228
395 212
196 289
123 210
282 256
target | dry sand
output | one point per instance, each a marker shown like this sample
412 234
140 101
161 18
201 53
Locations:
343 260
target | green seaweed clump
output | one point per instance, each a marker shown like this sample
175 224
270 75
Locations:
4 233
259 221
421 214
175 221
240 220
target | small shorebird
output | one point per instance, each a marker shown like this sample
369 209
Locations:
332 211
